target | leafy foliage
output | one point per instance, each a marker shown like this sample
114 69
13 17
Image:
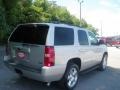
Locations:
14 12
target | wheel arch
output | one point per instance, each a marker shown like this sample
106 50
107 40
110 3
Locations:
76 61
105 53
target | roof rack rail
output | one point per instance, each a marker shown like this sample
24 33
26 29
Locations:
62 22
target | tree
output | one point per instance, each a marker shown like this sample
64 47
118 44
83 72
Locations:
94 30
3 25
83 23
27 11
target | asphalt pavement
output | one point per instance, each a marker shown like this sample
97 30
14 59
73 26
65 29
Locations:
95 80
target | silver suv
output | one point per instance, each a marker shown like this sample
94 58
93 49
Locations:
54 52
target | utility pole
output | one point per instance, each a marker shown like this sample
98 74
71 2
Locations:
101 26
80 9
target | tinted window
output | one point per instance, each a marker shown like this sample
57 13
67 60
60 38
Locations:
64 36
82 37
32 34
93 39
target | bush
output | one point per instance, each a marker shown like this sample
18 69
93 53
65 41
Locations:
14 12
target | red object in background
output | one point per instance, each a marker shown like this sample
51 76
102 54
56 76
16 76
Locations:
114 43
111 41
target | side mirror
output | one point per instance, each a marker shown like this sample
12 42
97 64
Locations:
101 42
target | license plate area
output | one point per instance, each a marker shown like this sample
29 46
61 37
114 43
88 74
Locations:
21 55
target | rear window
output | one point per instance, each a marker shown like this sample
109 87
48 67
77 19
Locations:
64 36
31 34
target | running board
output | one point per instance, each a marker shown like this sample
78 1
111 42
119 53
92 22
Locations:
89 69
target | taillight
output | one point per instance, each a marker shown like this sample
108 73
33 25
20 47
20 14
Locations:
49 58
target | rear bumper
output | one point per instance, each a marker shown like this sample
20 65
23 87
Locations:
45 74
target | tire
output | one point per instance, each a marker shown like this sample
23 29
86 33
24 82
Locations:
103 64
19 73
71 76
117 46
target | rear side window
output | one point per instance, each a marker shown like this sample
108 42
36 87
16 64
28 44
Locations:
63 36
82 37
31 34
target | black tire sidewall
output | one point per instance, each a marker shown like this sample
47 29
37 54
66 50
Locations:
101 64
